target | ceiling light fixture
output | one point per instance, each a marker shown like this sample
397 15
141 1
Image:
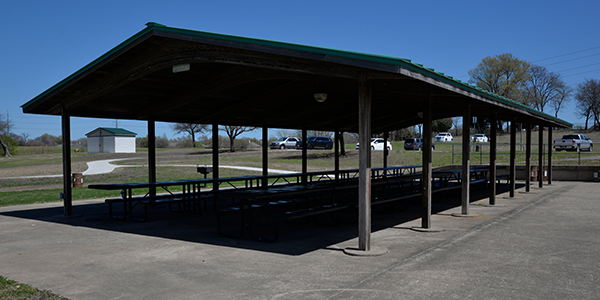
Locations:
320 97
181 68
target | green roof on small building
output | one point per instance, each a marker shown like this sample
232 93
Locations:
115 131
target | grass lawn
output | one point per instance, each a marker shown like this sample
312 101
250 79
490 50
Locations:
12 290
179 164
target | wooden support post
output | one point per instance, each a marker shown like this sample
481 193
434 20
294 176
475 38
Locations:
215 158
364 163
66 153
528 158
466 161
152 155
265 155
493 144
385 149
426 185
304 156
541 156
513 155
337 156
550 155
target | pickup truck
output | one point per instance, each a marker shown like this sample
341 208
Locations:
574 142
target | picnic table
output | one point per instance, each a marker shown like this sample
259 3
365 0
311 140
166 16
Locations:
187 199
279 203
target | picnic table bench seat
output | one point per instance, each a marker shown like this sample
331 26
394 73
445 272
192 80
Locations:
273 221
183 201
504 176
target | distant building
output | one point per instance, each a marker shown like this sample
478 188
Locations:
111 140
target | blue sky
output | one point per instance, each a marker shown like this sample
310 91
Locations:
45 41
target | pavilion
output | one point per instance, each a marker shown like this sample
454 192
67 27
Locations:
178 75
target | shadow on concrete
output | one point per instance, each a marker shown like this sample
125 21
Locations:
294 238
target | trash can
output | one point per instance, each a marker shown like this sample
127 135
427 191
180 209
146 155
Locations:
534 173
545 176
77 180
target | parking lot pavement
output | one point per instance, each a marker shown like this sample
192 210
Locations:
541 245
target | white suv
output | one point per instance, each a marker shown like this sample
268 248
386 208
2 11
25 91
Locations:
479 138
284 143
443 137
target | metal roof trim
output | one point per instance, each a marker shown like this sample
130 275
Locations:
116 131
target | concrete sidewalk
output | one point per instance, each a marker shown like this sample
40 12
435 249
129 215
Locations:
541 245
105 166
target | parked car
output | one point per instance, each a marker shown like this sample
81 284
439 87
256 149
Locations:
284 143
377 144
575 142
316 142
479 138
489 138
415 144
443 137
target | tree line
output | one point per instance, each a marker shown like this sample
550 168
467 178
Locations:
536 87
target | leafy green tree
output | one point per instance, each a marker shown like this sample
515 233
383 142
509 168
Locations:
503 74
441 125
9 145
162 141
49 140
141 142
5 125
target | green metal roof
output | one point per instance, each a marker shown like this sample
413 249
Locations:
331 54
116 131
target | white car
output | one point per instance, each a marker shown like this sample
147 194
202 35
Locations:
479 138
377 144
284 143
443 137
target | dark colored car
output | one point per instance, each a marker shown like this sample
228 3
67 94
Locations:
415 144
316 142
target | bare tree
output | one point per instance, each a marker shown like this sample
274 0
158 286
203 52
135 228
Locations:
542 87
189 128
5 124
564 97
328 134
342 144
233 132
588 100
455 123
287 132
